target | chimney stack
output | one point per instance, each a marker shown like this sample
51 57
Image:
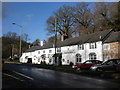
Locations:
42 43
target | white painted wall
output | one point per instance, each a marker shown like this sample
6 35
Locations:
68 53
98 50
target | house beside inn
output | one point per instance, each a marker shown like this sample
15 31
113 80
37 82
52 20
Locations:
100 45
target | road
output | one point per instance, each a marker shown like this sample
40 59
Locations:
33 77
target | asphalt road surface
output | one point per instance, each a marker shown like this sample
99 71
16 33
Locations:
32 77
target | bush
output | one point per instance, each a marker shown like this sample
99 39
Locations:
10 59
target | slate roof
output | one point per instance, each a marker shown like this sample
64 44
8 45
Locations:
115 37
33 49
85 38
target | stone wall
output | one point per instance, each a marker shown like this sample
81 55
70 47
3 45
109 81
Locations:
119 50
113 51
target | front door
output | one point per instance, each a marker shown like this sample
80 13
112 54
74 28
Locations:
29 60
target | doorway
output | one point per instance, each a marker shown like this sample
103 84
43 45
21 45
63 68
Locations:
29 60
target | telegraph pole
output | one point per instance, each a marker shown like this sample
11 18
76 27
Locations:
55 41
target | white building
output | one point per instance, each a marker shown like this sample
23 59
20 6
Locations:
74 50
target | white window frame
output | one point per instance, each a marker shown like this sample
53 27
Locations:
38 52
59 49
106 47
81 47
50 51
78 58
92 45
43 51
92 56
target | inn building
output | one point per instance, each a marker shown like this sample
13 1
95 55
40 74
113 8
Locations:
100 45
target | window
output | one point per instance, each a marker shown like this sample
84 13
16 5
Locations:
48 55
106 47
78 58
50 51
68 49
58 49
92 45
50 60
44 51
92 56
43 56
38 59
38 52
81 47
67 61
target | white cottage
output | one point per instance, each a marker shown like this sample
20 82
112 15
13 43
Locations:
74 50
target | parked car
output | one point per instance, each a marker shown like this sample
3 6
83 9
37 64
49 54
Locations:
86 65
109 65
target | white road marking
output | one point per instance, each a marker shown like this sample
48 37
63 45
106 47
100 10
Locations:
23 75
13 77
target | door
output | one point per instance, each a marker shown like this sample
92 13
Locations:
29 60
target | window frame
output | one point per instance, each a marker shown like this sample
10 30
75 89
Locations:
92 45
38 52
43 51
92 56
59 49
81 47
78 58
106 47
50 51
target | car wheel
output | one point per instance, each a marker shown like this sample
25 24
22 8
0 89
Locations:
99 70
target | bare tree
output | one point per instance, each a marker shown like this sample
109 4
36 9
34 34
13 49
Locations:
25 37
83 17
64 21
106 16
12 35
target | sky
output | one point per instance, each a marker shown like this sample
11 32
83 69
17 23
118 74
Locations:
31 16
